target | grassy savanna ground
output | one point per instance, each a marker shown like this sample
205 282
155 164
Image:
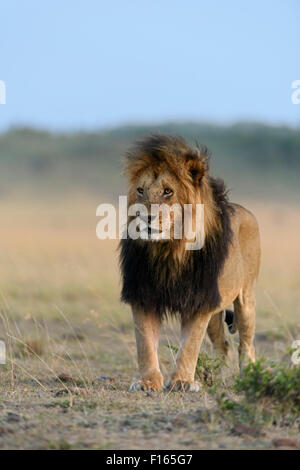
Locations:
71 347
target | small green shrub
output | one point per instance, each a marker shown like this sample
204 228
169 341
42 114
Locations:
208 368
276 383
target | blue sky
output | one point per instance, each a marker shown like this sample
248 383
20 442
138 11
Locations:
92 63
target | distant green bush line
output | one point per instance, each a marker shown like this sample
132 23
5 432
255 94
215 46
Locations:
94 159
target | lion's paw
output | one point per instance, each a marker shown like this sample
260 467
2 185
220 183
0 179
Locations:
184 386
144 385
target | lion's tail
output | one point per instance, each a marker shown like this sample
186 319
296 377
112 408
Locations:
229 320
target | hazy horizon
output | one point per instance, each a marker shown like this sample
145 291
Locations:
147 124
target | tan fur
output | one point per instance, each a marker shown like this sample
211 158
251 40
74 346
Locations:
237 285
236 282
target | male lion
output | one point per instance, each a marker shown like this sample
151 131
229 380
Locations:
162 278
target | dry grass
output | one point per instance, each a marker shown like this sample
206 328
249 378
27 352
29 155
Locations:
71 346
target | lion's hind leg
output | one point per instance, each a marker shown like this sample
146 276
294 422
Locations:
230 321
244 311
216 333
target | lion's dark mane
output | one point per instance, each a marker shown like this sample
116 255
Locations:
194 287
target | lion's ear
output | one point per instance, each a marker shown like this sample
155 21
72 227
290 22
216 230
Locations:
197 166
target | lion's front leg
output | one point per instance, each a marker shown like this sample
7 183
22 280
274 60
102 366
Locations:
147 328
192 333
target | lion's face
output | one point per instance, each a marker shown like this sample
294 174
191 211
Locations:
161 194
165 175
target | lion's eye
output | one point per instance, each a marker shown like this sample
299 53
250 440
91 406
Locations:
168 192
140 191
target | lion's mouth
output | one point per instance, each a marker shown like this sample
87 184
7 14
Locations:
153 230
153 234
